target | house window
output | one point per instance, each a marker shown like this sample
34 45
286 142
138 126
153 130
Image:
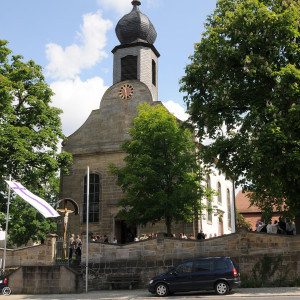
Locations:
94 198
228 208
219 193
153 72
128 67
208 203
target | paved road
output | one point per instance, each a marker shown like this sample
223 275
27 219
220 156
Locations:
250 294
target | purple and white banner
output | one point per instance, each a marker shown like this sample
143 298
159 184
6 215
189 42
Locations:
41 205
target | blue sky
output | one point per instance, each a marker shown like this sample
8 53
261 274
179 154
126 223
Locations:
72 40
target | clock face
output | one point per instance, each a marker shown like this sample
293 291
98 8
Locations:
126 92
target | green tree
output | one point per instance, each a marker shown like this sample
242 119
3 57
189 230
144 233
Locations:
242 91
161 178
241 222
30 130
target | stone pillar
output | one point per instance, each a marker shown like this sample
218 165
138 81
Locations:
51 247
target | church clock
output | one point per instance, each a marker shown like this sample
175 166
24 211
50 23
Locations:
126 91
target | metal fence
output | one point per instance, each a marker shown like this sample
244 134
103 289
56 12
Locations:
62 252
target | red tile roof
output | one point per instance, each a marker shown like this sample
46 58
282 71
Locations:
242 203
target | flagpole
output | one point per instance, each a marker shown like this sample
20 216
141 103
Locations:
6 228
87 229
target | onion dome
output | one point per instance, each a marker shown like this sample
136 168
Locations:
135 27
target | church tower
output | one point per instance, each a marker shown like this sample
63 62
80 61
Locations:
97 142
136 57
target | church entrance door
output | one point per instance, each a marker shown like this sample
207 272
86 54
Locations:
123 232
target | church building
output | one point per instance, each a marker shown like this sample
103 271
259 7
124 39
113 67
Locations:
97 143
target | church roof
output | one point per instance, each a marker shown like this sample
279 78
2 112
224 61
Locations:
135 27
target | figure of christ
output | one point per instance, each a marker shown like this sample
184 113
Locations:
66 217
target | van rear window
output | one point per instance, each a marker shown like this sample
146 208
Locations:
220 265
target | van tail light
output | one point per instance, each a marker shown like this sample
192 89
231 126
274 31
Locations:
5 281
235 274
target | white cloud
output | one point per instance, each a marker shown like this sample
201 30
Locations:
123 6
77 99
176 109
68 62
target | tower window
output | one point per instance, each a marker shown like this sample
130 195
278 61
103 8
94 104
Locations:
94 198
128 67
153 72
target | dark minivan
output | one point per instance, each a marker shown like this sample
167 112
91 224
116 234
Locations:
213 273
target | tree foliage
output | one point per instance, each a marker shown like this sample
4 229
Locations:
161 178
241 222
30 130
242 91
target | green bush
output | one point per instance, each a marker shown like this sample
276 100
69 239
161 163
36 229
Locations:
269 272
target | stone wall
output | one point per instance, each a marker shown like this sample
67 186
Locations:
152 257
40 255
148 258
45 280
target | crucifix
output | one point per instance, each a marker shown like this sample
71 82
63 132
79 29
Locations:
66 212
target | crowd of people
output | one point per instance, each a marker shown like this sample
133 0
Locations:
131 238
100 239
278 227
191 236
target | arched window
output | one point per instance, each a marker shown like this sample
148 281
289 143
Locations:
153 72
219 193
208 203
128 67
94 198
228 208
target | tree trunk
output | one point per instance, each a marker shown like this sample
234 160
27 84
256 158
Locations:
168 224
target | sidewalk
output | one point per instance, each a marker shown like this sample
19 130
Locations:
144 294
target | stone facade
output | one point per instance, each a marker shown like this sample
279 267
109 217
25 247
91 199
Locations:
40 255
97 144
154 256
45 280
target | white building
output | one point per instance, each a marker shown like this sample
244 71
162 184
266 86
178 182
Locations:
222 219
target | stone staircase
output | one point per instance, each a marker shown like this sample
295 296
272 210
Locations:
76 266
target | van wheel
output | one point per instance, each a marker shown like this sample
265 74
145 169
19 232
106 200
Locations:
161 290
6 291
221 288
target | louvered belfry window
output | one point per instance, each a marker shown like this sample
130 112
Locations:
128 67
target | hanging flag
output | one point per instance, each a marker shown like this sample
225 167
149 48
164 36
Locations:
41 205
